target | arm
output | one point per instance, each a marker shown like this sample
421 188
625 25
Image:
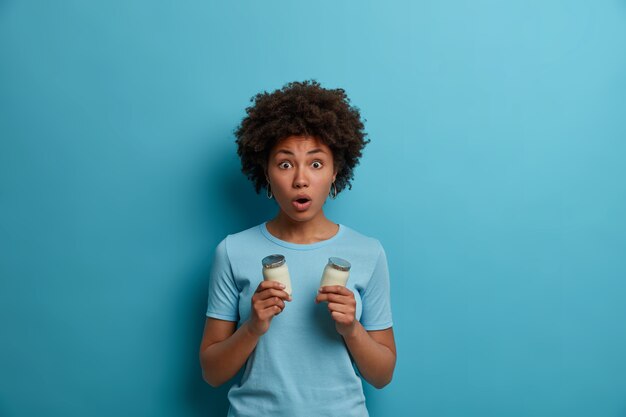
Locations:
374 352
224 350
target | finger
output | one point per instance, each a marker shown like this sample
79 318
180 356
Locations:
272 292
341 318
321 298
335 298
337 289
269 312
276 286
270 284
340 308
267 303
273 311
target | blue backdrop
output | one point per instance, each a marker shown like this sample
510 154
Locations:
494 179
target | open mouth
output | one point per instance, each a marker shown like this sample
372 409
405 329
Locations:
302 203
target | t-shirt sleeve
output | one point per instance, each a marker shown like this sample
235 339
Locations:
376 298
223 293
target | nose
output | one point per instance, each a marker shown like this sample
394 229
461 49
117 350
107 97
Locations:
300 180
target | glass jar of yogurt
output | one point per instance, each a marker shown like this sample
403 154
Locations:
275 269
336 272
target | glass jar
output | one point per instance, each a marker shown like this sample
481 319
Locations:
336 272
275 269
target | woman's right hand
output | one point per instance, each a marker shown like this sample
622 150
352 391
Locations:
268 301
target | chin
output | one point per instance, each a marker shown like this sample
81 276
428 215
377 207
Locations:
301 217
298 217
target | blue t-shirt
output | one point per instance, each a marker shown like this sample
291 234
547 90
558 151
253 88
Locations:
301 366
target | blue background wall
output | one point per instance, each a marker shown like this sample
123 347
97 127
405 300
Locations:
495 180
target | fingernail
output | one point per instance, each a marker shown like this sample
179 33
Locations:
282 285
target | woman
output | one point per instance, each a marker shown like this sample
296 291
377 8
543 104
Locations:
303 353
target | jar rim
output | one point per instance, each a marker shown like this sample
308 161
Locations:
339 263
273 261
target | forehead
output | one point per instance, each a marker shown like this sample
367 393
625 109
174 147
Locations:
300 145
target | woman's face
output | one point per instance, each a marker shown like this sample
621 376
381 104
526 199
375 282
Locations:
300 172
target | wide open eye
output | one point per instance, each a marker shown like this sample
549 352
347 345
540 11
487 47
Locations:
316 165
284 165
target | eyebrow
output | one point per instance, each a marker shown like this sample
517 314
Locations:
316 150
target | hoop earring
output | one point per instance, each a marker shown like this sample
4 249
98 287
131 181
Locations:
333 191
268 192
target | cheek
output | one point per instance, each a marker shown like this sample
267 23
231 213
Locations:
323 187
276 179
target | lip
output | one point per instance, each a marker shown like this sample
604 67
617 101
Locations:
301 206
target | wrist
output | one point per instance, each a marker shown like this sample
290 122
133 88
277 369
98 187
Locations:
353 332
250 331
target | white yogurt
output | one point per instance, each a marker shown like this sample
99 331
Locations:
336 272
275 269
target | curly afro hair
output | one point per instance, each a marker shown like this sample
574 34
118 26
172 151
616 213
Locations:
301 109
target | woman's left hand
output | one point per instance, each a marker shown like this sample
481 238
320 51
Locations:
342 307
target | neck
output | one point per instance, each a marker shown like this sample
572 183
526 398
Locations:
314 230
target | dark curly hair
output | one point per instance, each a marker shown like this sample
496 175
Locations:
301 109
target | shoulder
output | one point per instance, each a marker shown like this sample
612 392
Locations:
240 239
364 242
